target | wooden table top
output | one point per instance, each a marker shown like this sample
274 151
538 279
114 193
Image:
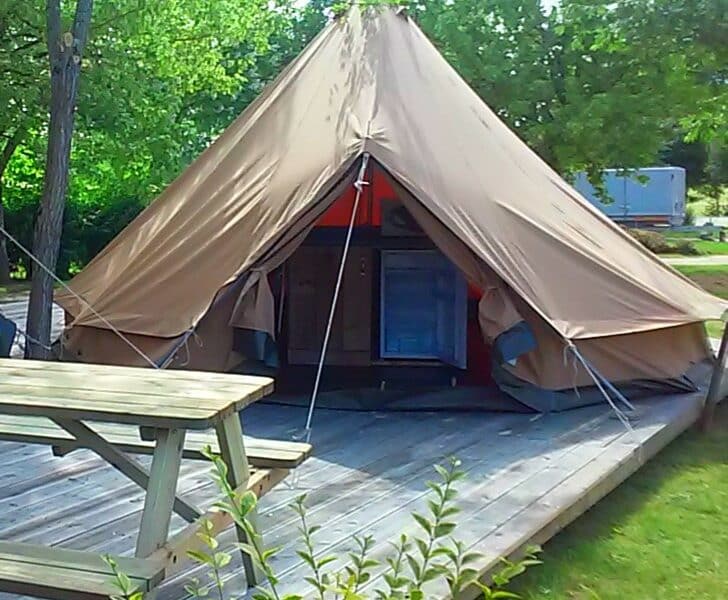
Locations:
132 395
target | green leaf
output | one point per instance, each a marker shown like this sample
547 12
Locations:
449 511
247 548
446 552
423 522
307 558
442 472
423 547
322 562
200 557
208 540
436 489
222 559
270 553
414 565
247 503
433 572
443 529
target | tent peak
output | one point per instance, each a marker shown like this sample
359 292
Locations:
344 9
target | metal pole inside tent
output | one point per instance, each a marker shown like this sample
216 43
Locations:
358 184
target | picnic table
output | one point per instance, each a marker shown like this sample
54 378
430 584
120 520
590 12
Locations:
117 411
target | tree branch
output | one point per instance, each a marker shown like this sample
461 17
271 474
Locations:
33 26
116 18
27 45
81 23
17 73
9 148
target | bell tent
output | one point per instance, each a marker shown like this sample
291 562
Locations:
370 172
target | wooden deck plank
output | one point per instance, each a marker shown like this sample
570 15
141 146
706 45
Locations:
107 503
547 514
500 466
381 502
364 466
126 515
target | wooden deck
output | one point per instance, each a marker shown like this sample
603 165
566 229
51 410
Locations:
528 476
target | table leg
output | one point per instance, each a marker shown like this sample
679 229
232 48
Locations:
127 465
232 451
161 490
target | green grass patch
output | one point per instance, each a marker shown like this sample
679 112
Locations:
705 247
663 534
715 329
712 278
708 247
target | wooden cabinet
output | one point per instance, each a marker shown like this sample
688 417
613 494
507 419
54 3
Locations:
424 307
312 272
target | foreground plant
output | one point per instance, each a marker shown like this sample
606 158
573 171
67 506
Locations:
127 590
404 572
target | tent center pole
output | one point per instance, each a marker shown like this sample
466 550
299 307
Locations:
359 185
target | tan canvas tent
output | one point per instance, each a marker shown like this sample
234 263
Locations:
371 83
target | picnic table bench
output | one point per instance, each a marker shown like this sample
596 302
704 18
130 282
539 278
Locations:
117 411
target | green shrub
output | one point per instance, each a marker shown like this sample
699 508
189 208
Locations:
434 554
659 244
685 247
653 241
689 216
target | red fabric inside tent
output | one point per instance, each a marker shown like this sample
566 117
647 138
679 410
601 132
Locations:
370 204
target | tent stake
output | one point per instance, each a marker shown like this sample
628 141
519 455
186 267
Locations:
359 184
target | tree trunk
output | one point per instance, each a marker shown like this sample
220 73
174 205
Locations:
5 156
64 52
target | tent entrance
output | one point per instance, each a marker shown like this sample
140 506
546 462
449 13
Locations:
404 317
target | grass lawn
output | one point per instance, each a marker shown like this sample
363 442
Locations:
714 279
708 247
663 534
705 247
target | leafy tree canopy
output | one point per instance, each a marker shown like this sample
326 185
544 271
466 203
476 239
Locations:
588 85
